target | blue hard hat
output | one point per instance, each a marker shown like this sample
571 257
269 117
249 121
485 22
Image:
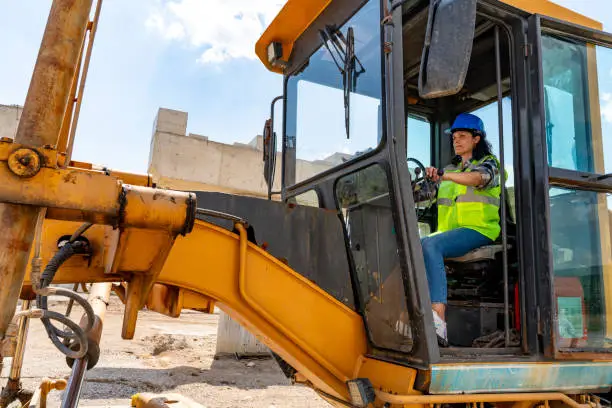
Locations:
467 121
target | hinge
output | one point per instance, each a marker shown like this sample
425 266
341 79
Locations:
527 49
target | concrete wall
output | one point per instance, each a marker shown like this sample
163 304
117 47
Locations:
194 162
9 119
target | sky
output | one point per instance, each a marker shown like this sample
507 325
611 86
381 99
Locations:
192 55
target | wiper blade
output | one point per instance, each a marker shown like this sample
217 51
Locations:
345 49
347 79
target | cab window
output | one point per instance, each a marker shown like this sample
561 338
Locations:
578 129
418 130
317 138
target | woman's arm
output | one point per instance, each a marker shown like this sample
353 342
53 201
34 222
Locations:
473 179
481 176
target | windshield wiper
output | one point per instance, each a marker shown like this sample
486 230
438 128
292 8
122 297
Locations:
603 177
345 50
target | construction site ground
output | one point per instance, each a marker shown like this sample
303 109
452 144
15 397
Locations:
166 355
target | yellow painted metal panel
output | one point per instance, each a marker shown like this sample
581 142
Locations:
313 332
294 18
297 15
138 249
387 377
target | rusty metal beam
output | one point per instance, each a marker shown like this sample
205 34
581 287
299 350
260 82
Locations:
95 193
17 225
39 126
93 27
56 64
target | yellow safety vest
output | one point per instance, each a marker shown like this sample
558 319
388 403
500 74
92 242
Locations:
462 206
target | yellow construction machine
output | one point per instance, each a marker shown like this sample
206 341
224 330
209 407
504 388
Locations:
329 272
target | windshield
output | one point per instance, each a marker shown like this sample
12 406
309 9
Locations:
317 107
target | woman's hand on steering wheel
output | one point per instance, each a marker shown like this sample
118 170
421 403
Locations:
424 186
434 174
419 171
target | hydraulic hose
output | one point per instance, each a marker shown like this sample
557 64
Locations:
75 336
77 333
47 291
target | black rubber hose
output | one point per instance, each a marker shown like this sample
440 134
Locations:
61 256
77 333
77 298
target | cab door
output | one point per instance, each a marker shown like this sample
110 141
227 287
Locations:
572 142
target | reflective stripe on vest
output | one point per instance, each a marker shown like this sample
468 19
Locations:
445 201
462 206
471 197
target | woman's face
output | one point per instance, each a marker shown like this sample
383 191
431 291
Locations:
464 142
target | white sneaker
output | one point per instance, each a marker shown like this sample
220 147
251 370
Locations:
440 326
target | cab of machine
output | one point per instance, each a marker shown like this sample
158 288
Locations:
370 89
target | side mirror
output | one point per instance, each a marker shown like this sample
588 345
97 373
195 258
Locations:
269 148
448 47
268 151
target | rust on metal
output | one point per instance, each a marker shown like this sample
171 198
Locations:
24 162
47 97
17 226
13 390
39 125
62 142
8 344
22 334
92 26
62 188
47 157
158 209
133 303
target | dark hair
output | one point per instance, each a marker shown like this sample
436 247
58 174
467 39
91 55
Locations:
483 147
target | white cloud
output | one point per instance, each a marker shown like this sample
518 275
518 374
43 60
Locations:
224 29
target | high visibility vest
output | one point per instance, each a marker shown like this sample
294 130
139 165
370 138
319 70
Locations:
462 206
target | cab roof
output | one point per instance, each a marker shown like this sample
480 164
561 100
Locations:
297 15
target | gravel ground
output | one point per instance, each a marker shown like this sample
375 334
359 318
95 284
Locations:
166 355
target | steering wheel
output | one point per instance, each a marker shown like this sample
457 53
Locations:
424 190
419 171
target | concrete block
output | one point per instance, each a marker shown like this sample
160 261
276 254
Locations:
257 143
171 121
9 120
233 339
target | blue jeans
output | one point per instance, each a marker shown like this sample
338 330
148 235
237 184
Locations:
449 244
